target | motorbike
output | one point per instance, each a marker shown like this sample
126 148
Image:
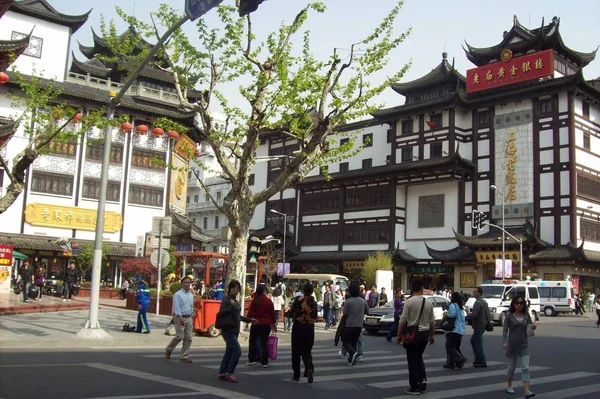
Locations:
49 287
16 286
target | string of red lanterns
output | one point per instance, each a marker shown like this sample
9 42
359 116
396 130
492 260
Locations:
127 127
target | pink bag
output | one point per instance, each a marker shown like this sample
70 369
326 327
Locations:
272 343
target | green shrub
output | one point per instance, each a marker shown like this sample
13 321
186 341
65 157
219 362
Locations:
153 292
175 286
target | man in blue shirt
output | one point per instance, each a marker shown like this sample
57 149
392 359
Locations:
143 302
183 319
220 292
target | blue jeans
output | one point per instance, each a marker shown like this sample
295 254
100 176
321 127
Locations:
233 352
477 345
512 363
68 287
327 316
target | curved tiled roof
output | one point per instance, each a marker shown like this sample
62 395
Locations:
567 252
39 243
43 10
184 226
93 66
400 257
520 39
457 254
444 72
11 49
493 238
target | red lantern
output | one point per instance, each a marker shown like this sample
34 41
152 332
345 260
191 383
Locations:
196 153
141 129
173 135
77 117
157 132
126 127
4 78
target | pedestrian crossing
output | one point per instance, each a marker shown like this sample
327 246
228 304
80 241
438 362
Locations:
384 372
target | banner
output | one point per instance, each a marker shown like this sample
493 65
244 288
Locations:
507 268
6 261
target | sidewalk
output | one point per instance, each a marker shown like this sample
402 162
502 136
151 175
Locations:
11 304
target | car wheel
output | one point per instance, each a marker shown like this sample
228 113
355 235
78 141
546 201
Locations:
501 319
549 311
372 331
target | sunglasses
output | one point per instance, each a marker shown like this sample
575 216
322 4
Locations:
519 303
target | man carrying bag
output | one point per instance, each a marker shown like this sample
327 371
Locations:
415 329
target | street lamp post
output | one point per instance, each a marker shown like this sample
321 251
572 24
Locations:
496 189
284 235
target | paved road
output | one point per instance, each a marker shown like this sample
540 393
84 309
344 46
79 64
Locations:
564 365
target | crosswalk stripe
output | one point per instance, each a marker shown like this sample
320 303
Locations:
285 362
342 365
214 356
480 389
350 375
452 376
570 392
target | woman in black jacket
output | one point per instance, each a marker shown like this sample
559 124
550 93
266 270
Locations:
304 312
231 317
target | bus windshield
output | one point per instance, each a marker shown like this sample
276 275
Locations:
493 291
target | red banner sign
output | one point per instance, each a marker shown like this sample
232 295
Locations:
6 255
518 69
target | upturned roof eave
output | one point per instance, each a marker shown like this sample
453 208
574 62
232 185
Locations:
43 10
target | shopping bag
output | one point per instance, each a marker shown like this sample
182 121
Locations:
272 343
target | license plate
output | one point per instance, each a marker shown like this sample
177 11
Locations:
372 321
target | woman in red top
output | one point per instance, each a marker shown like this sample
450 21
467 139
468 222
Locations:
261 309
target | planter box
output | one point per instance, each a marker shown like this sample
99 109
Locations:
104 293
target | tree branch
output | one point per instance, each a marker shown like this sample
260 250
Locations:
53 135
5 167
249 46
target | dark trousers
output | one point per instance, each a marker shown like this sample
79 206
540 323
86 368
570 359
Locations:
394 330
598 313
40 290
25 286
414 357
303 339
261 332
350 340
68 287
477 345
453 353
327 315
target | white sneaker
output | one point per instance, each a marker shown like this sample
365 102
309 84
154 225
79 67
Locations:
264 366
68 300
359 359
342 356
250 363
64 300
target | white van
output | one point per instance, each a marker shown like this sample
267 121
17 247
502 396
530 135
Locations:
555 296
499 296
297 279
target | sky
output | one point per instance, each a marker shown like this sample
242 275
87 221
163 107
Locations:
438 26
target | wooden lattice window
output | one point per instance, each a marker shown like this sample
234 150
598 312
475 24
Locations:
96 152
588 186
147 159
320 235
366 233
407 126
51 183
321 201
589 230
143 195
91 190
586 141
367 197
545 106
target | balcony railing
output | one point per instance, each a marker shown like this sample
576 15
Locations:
149 94
201 206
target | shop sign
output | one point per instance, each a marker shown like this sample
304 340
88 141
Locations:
428 270
6 255
67 217
510 152
353 266
513 70
491 256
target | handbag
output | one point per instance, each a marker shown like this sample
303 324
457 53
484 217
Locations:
529 329
409 333
225 319
448 323
489 327
272 344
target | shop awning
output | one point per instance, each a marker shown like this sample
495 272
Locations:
20 256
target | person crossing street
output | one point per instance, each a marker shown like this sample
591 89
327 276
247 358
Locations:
143 303
183 316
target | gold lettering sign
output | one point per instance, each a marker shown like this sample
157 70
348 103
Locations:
510 152
350 267
67 217
491 256
185 147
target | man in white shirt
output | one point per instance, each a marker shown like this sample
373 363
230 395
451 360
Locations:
183 318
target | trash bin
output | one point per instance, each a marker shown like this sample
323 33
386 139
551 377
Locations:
206 316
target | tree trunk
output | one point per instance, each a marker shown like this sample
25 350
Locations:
18 179
239 211
238 253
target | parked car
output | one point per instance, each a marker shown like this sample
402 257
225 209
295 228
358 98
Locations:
382 318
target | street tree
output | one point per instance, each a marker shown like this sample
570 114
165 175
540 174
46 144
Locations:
47 122
287 91
378 261
85 258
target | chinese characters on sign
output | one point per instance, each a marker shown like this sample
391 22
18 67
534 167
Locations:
510 153
70 217
519 69
491 256
6 255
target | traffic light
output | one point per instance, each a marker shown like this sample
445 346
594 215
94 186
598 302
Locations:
477 219
254 248
248 6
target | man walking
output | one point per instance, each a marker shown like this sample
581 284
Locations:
373 299
71 278
328 301
183 316
417 312
355 309
26 272
480 316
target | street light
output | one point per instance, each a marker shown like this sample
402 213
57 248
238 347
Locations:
284 234
496 189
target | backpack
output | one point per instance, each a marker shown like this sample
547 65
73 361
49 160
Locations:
128 328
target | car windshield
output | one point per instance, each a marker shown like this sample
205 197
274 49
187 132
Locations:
390 304
491 291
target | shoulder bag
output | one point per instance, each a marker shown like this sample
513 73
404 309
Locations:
410 332
529 329
449 323
488 326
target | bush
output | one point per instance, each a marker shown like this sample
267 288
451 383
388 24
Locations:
153 292
175 286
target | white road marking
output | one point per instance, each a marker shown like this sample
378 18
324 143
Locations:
183 384
342 365
217 356
155 395
570 392
454 375
483 389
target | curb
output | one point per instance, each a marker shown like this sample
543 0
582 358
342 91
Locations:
15 310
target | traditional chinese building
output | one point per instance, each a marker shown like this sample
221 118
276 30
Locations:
62 187
524 120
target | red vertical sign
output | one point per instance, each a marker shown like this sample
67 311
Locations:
6 255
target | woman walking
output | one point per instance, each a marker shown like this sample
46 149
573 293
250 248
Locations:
304 312
277 303
231 310
261 309
597 309
517 326
39 281
454 357
398 308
